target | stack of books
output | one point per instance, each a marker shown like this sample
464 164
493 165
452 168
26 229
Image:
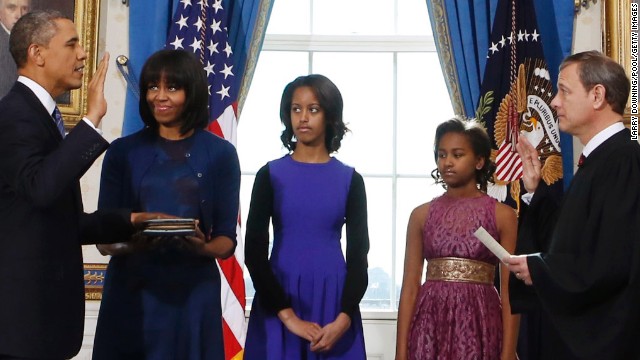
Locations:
170 227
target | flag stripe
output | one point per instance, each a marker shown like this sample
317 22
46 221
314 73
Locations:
508 163
231 347
232 271
201 27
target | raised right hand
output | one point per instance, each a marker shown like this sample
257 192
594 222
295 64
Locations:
531 165
96 102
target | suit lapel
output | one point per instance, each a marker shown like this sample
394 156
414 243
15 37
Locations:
37 106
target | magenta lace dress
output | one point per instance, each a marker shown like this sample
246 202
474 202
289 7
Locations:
457 320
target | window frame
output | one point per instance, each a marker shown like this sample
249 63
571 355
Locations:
394 44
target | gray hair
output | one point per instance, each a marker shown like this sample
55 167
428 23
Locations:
595 68
36 27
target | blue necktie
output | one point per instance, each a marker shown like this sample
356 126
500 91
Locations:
57 116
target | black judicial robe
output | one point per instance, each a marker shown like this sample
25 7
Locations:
589 280
538 338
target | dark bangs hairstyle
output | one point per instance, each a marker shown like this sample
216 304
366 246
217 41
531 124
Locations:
182 70
331 103
480 144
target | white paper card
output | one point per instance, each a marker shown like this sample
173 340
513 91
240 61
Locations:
491 243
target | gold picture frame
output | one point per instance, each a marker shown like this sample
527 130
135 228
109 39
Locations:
616 37
94 280
85 15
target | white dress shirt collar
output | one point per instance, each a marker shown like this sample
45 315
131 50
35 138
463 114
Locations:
42 94
601 137
46 99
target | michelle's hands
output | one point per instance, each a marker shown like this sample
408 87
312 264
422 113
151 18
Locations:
199 240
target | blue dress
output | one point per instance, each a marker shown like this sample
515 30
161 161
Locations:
163 302
309 207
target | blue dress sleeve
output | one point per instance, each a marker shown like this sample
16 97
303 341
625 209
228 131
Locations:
226 204
115 190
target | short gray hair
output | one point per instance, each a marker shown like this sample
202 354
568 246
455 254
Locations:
36 27
595 68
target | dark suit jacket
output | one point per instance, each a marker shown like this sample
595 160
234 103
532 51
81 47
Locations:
42 228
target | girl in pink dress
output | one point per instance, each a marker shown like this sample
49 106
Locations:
457 313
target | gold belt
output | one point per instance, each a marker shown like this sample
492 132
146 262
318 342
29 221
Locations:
460 270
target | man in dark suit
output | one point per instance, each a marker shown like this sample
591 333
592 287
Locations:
10 12
42 223
588 281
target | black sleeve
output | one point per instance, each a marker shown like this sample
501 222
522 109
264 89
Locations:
270 293
535 226
357 279
106 226
37 167
537 220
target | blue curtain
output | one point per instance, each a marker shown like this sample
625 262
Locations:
555 20
247 28
461 30
149 24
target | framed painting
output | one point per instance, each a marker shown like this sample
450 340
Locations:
85 15
616 37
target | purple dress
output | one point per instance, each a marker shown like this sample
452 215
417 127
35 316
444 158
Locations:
457 320
308 211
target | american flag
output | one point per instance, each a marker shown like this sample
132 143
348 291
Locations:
201 27
516 95
508 163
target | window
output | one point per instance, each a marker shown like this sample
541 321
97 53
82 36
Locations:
381 55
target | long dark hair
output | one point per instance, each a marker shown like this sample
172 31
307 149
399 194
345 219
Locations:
331 103
182 70
480 144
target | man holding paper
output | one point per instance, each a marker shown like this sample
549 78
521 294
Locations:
589 280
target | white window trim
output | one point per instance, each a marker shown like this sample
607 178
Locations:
348 43
359 43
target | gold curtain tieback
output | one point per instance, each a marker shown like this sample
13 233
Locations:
460 270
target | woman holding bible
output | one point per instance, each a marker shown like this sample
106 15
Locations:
161 297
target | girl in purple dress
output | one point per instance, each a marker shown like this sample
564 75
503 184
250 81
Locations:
457 313
307 295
